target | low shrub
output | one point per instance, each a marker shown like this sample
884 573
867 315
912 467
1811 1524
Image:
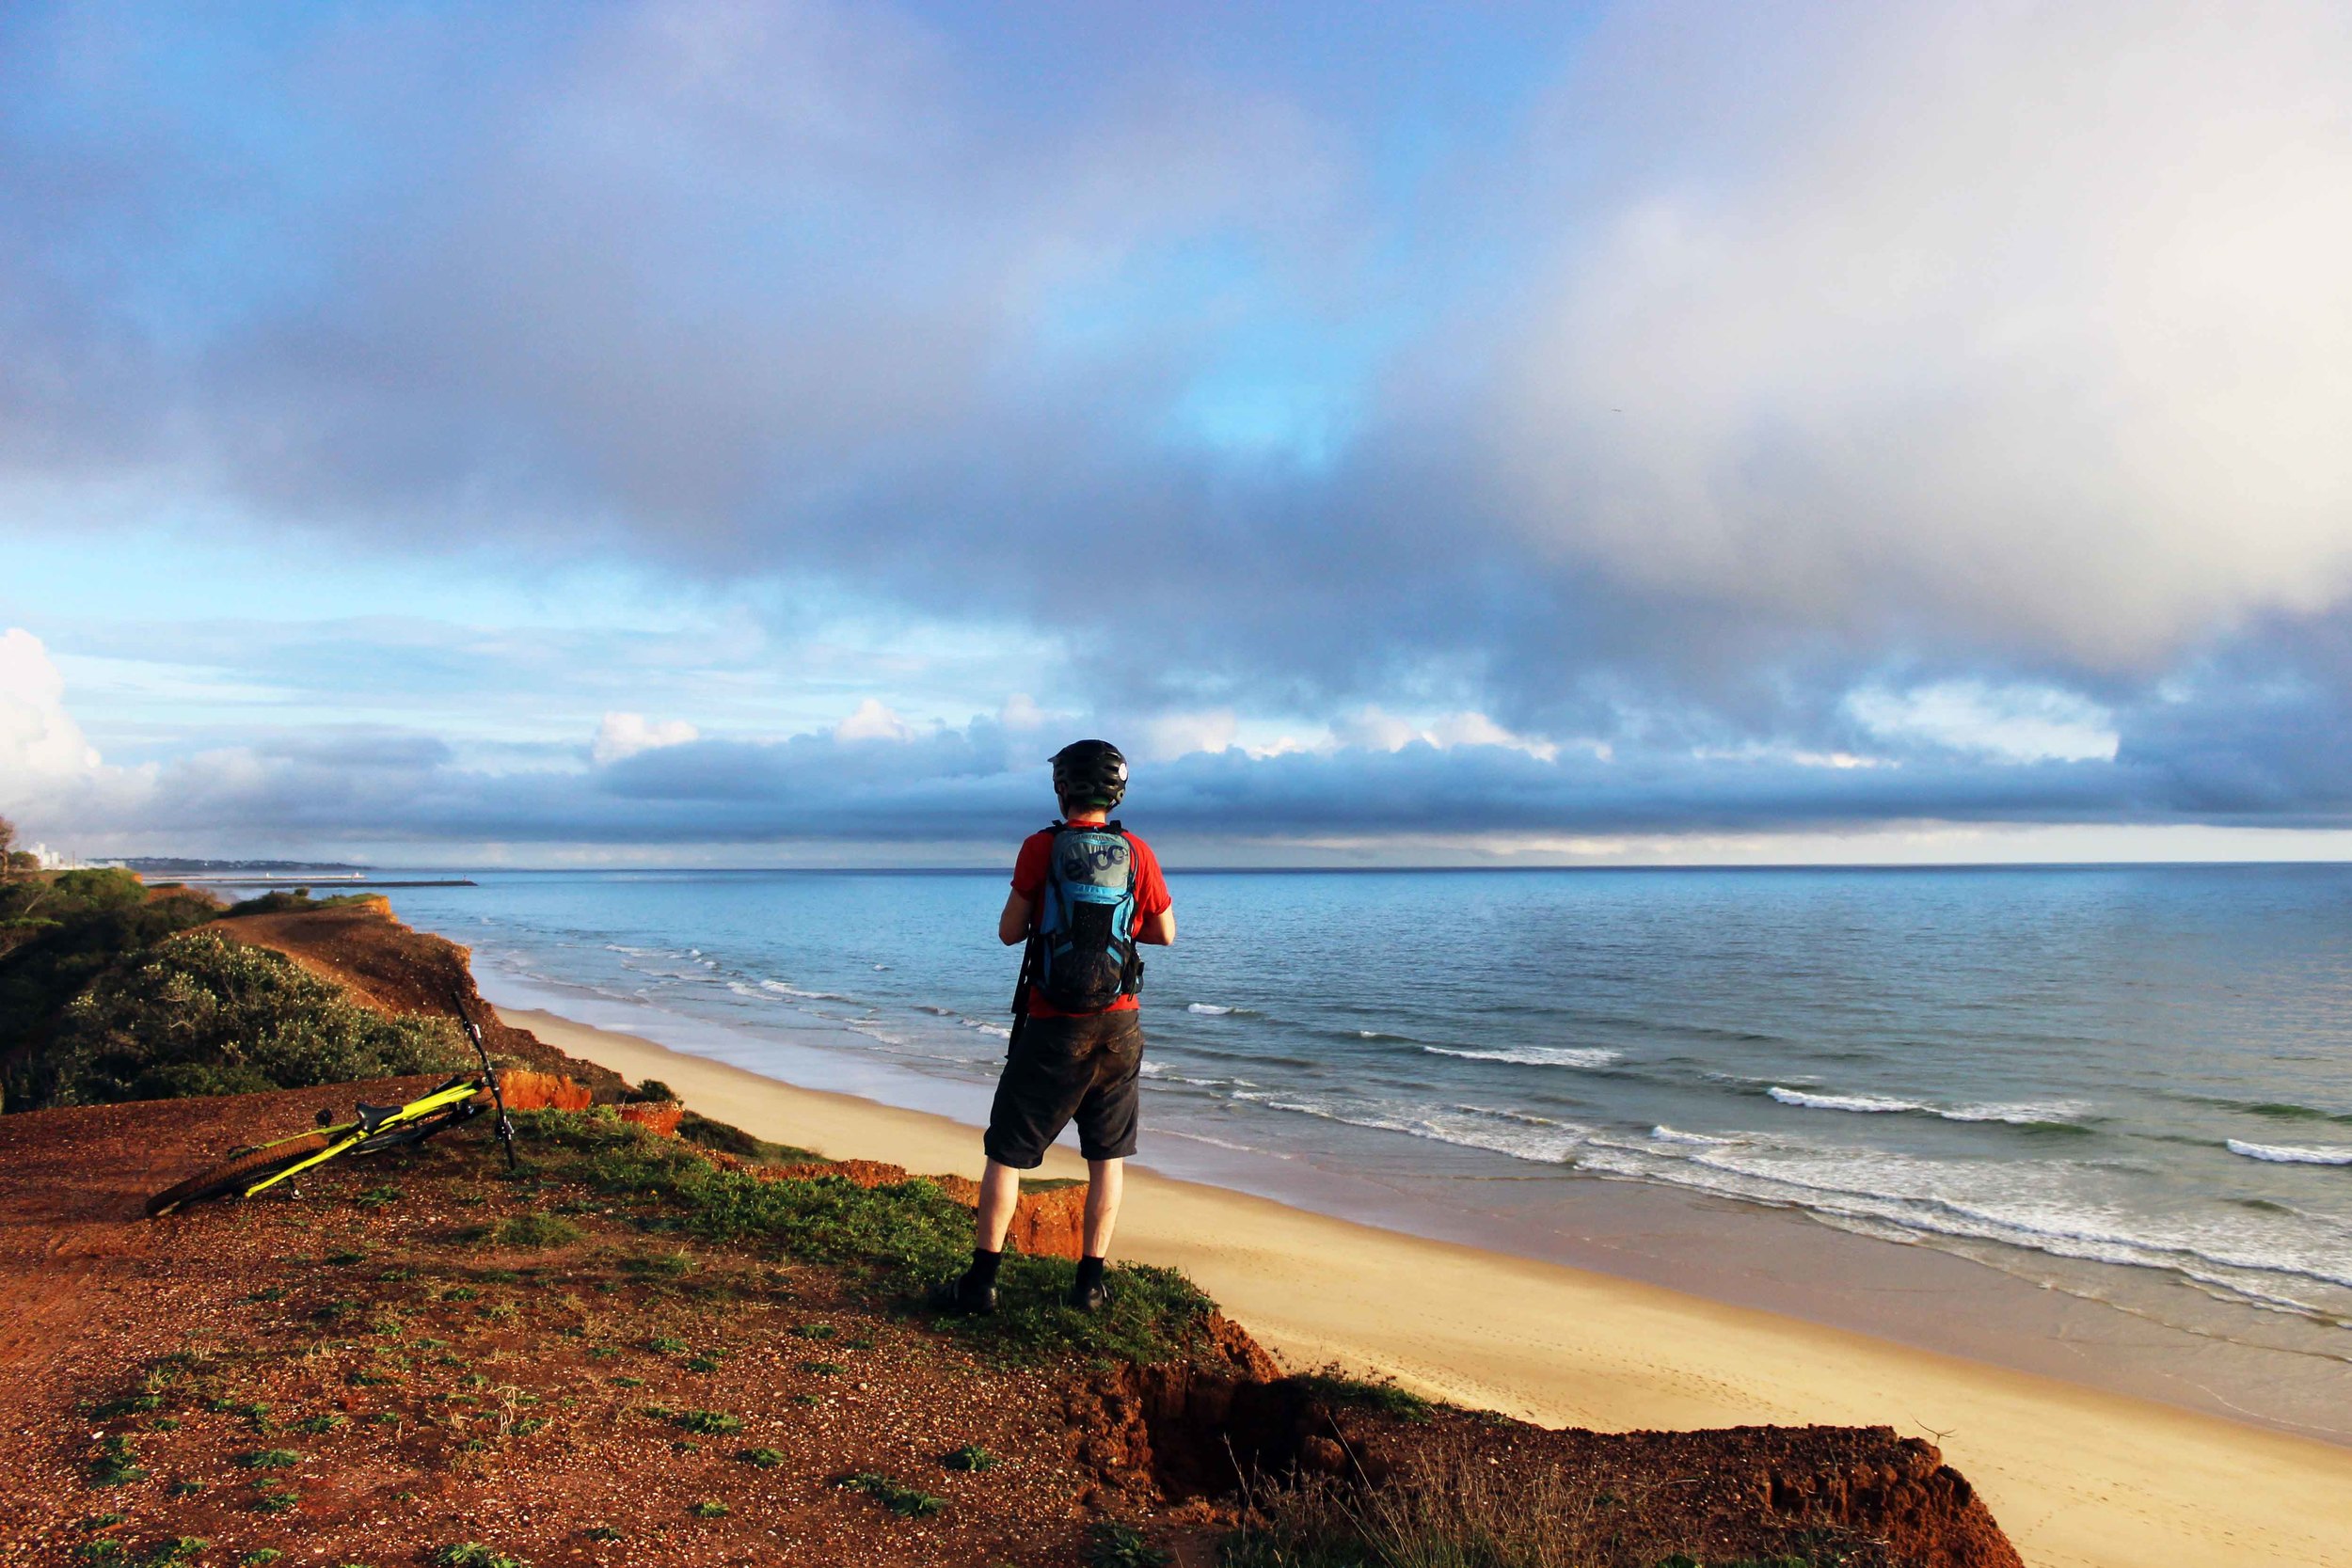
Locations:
199 1015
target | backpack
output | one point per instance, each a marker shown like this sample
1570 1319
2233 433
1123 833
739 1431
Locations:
1085 950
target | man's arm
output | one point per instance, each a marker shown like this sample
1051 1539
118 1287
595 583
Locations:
1013 926
1158 930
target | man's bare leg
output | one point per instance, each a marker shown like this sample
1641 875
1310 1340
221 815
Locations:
975 1290
1105 1180
1000 1193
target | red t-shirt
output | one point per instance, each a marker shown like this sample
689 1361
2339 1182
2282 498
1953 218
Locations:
1028 879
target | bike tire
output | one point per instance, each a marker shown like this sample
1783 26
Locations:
231 1174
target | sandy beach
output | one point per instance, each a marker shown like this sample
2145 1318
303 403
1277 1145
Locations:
2076 1475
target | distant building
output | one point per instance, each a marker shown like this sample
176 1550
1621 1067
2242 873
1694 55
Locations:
65 859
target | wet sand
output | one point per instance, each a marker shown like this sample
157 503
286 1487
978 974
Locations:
2076 1475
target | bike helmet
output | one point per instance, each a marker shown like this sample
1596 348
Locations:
1090 773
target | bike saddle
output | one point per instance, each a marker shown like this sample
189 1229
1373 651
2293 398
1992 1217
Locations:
374 1117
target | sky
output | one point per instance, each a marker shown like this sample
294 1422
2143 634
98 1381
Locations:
682 431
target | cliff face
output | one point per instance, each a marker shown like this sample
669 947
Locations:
386 965
1861 1498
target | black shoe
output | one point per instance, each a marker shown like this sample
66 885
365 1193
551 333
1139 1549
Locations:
1087 1296
965 1295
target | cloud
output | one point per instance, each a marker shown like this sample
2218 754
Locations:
39 742
624 734
2016 323
872 721
1938 387
2013 724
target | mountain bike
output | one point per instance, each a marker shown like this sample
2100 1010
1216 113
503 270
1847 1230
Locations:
247 1171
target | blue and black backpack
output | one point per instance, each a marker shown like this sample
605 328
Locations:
1085 946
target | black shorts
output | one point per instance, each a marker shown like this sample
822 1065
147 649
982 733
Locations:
1065 1068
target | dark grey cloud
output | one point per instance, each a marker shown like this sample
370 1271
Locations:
2193 760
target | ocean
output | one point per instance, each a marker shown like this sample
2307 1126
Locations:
2129 1085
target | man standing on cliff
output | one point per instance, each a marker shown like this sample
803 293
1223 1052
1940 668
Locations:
1084 892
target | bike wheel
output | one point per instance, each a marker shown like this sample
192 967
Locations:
241 1171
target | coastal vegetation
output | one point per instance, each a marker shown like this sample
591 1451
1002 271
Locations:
108 991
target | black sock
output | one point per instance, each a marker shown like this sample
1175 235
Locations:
984 1265
1089 1272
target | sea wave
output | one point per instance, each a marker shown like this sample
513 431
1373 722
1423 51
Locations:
799 995
1534 1056
2036 1205
1666 1134
2047 1114
2290 1154
1211 1008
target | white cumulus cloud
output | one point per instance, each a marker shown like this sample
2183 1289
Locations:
38 740
624 734
873 721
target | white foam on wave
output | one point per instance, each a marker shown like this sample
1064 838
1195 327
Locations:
1377 1034
1525 1118
1865 1104
1537 1140
1208 1008
2291 1154
798 994
1877 1106
1666 1134
2033 1204
1534 1056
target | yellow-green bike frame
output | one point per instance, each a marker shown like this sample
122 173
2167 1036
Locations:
452 1103
359 1134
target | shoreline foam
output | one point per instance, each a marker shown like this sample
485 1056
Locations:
2076 1475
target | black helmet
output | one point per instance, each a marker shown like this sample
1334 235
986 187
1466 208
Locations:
1090 773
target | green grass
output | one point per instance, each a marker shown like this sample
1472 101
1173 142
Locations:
766 1459
905 1501
710 1423
970 1457
665 1344
710 1508
907 1236
474 1553
259 1557
537 1231
1110 1545
269 1459
316 1425
1382 1398
696 1129
117 1464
